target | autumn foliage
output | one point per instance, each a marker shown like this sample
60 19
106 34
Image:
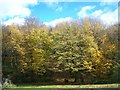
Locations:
86 53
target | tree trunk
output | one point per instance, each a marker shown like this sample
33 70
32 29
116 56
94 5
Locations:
82 79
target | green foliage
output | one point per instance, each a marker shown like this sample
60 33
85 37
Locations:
113 76
77 52
37 49
11 49
80 51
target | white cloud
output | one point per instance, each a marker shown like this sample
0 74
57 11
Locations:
15 20
15 9
51 4
54 4
107 16
108 2
97 13
50 1
84 11
110 17
79 0
11 8
58 21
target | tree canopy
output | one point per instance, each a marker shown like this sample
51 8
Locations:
90 49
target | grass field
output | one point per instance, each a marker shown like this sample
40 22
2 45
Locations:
70 87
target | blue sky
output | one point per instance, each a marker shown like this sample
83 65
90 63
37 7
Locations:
47 13
55 12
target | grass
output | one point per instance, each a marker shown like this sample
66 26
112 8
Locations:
73 87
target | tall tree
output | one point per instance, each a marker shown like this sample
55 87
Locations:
11 50
77 52
37 46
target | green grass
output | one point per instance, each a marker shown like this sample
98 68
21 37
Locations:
48 87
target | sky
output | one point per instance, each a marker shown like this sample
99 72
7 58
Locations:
53 12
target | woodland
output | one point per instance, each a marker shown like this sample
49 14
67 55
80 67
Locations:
84 51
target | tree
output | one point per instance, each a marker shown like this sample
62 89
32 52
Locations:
85 53
11 50
31 23
112 52
76 52
37 46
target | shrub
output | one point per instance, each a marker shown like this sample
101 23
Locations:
7 84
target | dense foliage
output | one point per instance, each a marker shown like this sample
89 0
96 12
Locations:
86 52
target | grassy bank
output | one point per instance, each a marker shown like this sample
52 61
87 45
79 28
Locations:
73 87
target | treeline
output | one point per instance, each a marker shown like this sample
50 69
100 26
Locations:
76 52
